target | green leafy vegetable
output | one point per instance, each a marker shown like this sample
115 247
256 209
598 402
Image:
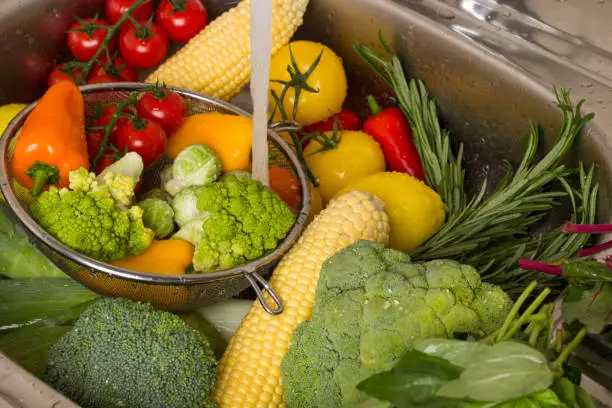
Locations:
23 301
29 345
19 259
505 371
591 307
414 380
541 399
460 353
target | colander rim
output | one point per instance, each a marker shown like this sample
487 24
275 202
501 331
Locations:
93 266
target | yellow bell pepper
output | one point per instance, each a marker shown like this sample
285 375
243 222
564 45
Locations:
228 135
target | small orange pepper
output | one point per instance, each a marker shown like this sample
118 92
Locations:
52 140
228 135
168 257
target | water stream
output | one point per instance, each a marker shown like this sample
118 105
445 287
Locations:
261 48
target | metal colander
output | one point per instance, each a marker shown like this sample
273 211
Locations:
171 292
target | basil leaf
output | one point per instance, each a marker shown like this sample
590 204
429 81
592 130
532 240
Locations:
593 309
414 380
541 399
505 371
457 352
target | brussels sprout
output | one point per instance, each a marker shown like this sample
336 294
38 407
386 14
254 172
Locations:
239 174
185 205
157 193
165 174
196 165
193 231
158 216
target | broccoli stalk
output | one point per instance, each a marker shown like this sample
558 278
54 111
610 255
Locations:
42 174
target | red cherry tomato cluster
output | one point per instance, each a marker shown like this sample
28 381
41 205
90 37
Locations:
143 127
139 43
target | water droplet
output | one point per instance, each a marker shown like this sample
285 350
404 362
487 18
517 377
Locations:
445 14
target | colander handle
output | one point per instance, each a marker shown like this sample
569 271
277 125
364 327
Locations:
255 280
286 126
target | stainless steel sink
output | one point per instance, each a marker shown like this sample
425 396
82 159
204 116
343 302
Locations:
491 64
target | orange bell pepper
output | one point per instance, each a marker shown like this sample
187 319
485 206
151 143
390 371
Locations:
168 257
52 140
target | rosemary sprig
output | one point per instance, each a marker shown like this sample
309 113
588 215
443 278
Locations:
518 202
443 170
551 247
490 231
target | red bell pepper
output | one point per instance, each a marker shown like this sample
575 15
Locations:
391 130
347 120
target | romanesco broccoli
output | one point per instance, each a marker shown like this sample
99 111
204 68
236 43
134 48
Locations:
127 354
371 303
243 221
89 219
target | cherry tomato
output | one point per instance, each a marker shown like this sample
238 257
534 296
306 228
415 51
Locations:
181 20
103 79
143 50
94 141
109 157
118 69
58 74
164 107
144 137
283 183
117 8
105 118
84 45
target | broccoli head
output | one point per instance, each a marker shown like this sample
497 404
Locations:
371 303
243 221
127 354
88 219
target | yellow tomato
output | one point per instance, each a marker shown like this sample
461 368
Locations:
356 156
415 210
328 79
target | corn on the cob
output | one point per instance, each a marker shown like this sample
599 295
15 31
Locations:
216 62
249 371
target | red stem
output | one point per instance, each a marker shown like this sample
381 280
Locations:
531 265
595 249
570 227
